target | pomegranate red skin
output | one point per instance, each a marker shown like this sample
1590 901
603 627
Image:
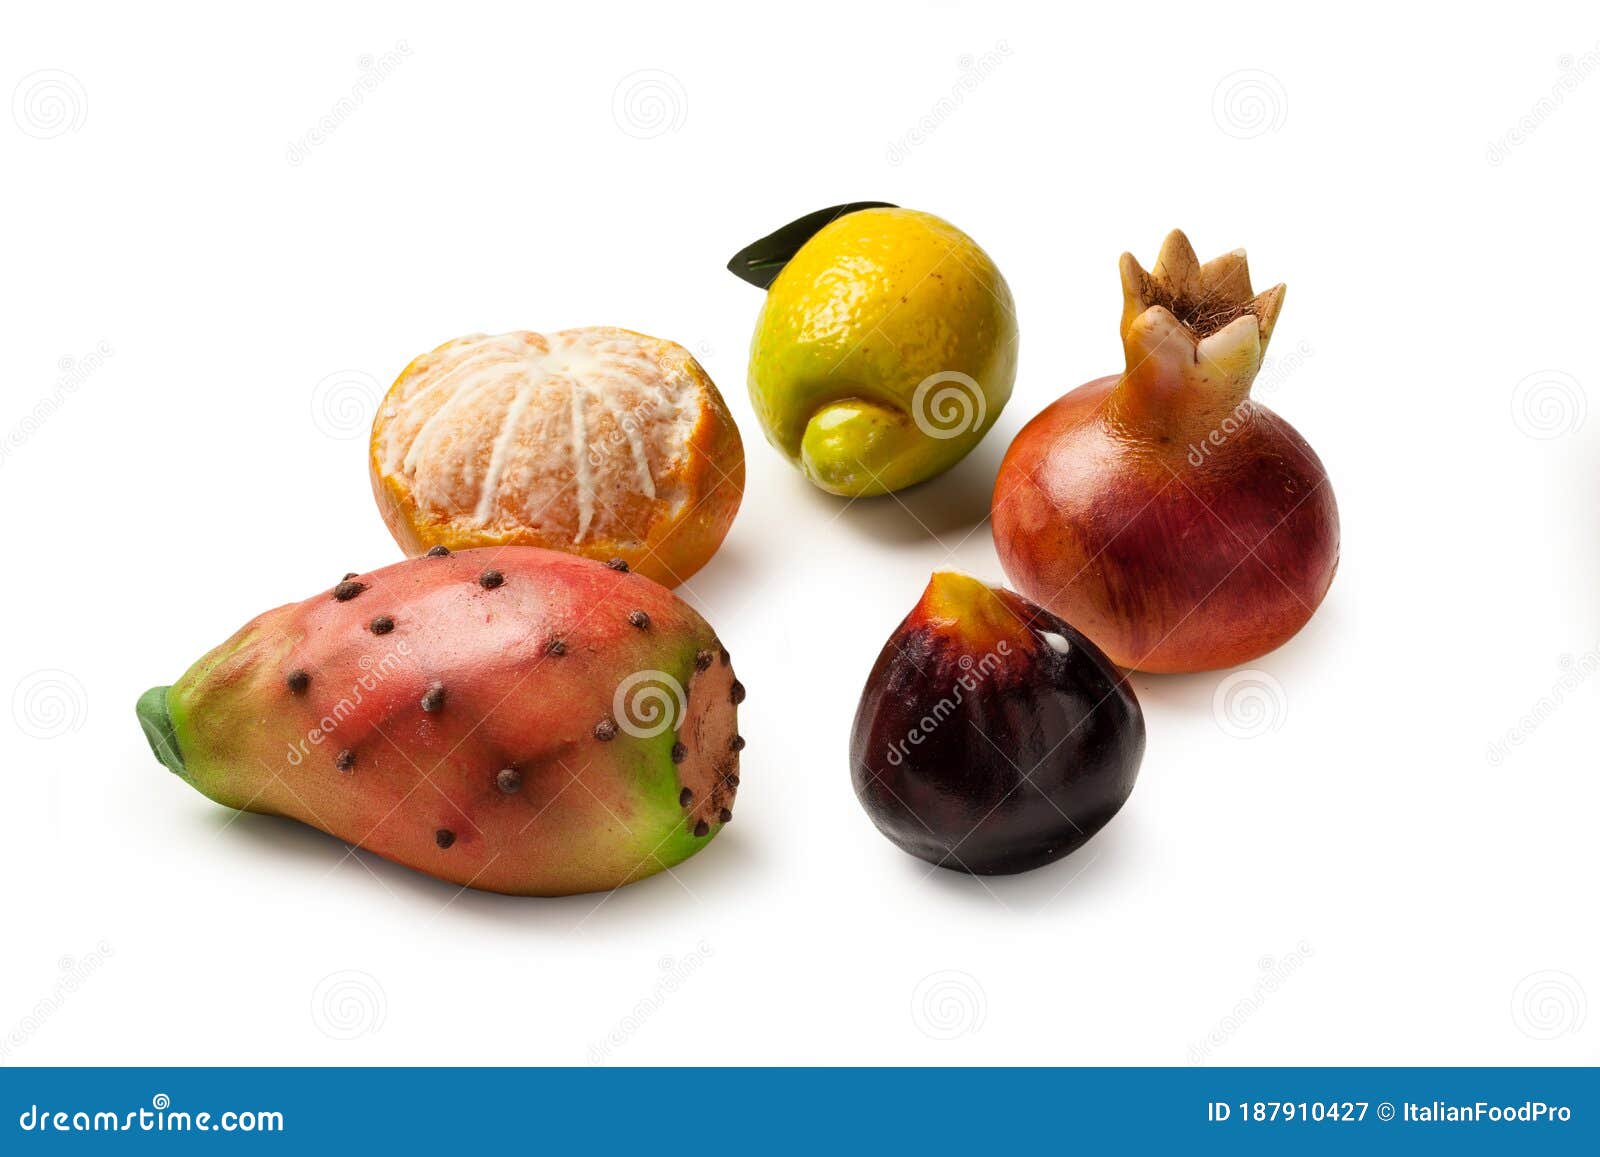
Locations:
1194 549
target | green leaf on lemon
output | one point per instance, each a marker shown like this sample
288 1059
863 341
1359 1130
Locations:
761 261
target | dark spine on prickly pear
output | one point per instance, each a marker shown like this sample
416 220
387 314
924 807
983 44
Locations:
507 718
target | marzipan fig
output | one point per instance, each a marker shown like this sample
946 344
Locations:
992 737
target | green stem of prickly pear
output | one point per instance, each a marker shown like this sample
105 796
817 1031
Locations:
158 729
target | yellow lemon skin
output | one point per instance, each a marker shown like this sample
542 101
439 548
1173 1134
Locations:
885 350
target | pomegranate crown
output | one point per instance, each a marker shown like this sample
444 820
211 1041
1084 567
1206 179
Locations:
1203 322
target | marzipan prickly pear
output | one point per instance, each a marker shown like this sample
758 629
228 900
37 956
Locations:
511 719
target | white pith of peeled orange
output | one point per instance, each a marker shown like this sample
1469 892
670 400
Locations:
596 441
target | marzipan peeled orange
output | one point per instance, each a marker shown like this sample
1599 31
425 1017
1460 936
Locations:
598 441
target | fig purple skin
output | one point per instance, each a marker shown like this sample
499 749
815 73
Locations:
992 737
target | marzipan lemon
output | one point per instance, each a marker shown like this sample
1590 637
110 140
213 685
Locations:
885 350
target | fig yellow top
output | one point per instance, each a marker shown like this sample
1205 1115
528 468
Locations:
598 441
885 350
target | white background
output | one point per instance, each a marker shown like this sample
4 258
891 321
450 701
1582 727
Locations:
1355 881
